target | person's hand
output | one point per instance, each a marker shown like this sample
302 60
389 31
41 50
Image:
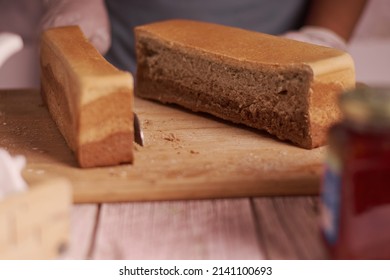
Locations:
11 173
9 44
90 15
319 36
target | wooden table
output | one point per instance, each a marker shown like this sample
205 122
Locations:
245 228
270 227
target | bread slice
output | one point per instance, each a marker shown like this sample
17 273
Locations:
89 99
285 87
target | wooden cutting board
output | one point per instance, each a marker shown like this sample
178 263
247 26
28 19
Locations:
186 156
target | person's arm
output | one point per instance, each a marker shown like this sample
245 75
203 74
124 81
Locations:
339 16
329 23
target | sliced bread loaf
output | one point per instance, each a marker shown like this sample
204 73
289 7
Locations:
285 87
89 99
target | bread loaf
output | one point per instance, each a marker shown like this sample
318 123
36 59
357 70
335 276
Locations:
285 87
89 99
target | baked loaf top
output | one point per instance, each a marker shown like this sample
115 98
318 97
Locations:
90 100
286 87
88 65
249 46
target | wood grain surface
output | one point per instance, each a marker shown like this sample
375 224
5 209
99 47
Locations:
289 227
202 229
82 235
186 156
267 227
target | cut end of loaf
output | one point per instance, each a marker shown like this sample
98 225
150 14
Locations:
90 100
105 151
285 87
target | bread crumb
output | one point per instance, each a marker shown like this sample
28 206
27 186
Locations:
194 152
284 153
39 172
36 171
171 137
147 122
137 146
115 172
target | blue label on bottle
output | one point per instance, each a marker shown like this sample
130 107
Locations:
330 199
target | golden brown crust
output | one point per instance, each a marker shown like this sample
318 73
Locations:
69 41
89 99
323 111
115 149
286 87
236 43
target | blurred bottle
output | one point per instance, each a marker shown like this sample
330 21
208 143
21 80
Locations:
355 199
